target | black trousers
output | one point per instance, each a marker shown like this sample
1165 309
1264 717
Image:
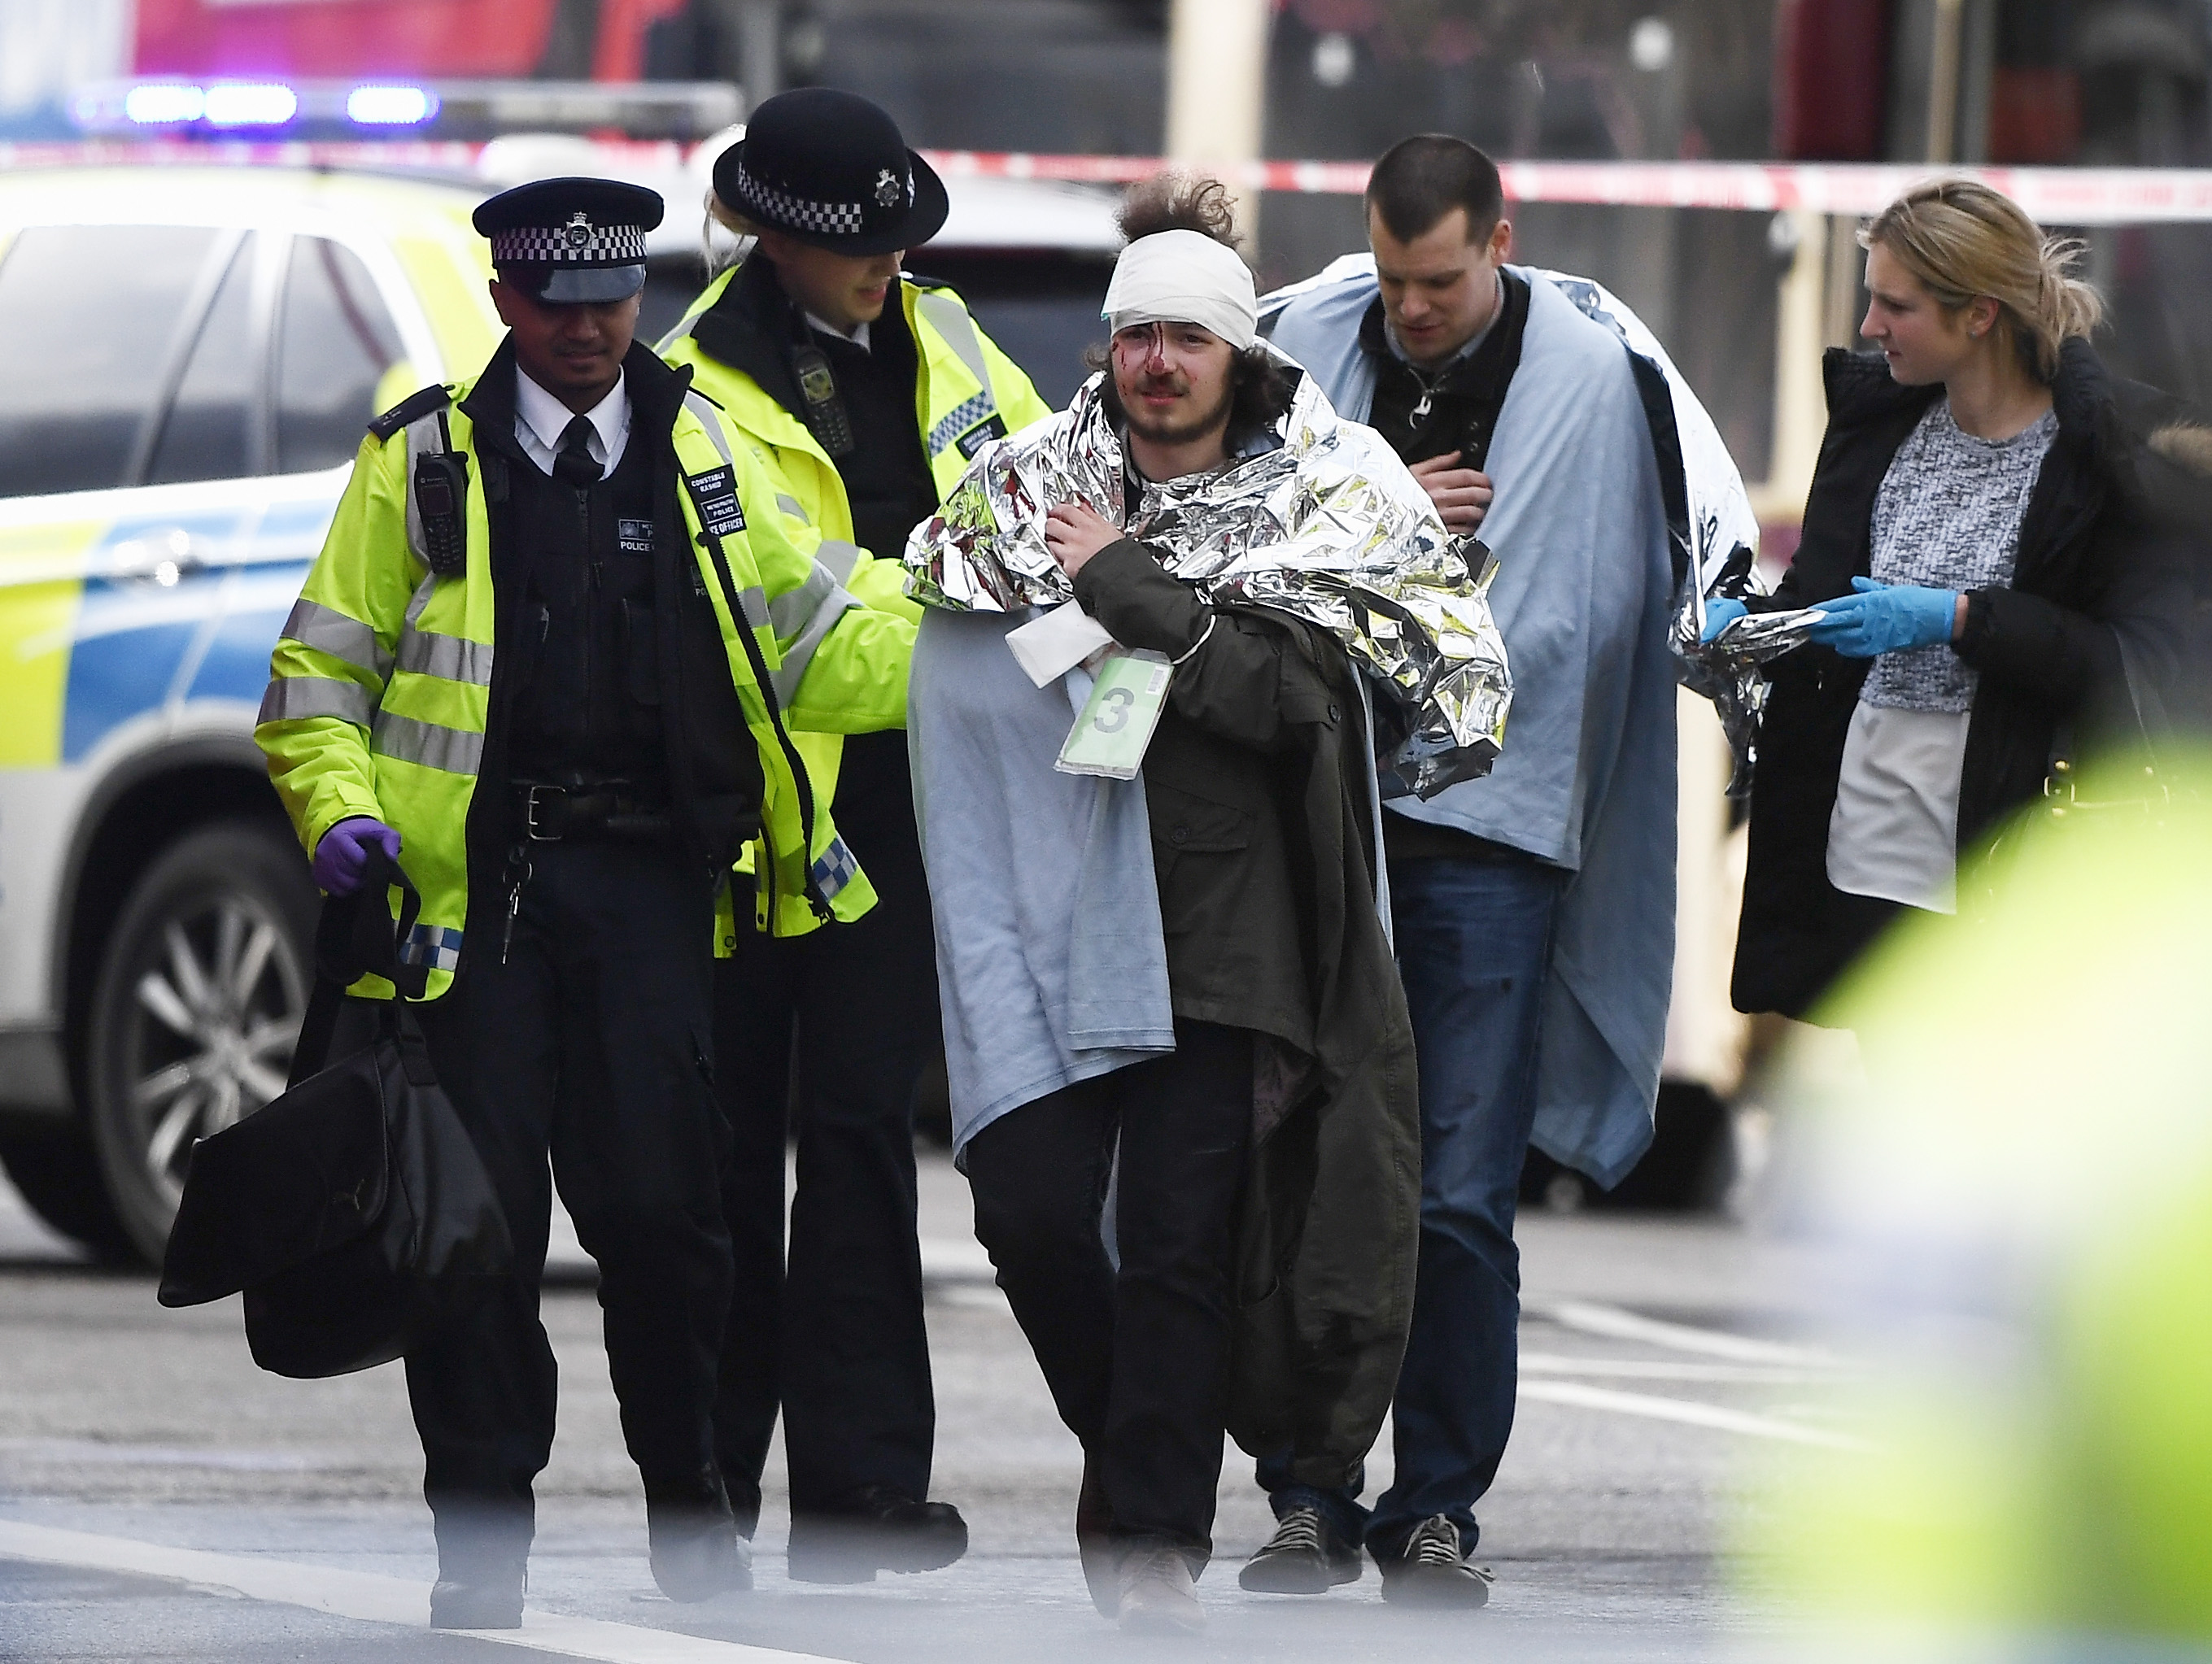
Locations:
593 1042
1137 1360
834 1336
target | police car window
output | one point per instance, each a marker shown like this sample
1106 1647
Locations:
205 435
106 304
334 344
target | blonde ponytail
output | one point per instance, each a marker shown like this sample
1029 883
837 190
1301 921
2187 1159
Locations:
1964 240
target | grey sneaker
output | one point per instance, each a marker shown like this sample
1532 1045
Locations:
1304 1557
1157 1597
1431 1571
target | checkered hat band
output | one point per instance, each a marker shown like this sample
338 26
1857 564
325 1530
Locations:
551 246
790 213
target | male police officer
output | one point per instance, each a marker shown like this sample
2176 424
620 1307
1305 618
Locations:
550 658
866 392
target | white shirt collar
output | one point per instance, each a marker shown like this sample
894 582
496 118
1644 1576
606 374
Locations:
540 419
858 335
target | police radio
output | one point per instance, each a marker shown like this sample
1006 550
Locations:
441 492
825 411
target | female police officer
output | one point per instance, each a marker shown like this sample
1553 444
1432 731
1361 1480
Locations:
551 656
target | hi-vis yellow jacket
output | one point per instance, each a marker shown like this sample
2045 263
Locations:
966 392
380 685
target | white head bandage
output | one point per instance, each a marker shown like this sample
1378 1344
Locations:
1184 277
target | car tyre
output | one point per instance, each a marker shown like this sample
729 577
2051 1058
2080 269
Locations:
57 1172
201 987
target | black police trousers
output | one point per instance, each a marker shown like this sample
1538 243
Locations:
1137 1357
593 1043
834 1335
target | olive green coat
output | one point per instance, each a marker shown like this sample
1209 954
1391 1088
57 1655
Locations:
1258 787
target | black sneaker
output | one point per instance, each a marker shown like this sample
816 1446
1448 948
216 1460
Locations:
1431 1571
1304 1556
878 1530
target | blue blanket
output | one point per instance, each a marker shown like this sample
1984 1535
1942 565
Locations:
1587 777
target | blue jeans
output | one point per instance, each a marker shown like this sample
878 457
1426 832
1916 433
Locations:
1474 943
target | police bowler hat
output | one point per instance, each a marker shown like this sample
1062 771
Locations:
830 169
571 240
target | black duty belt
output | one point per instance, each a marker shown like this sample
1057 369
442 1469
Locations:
551 814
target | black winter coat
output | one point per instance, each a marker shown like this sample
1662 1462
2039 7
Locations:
2045 646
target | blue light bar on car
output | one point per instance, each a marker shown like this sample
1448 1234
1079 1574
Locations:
250 104
163 103
391 107
174 106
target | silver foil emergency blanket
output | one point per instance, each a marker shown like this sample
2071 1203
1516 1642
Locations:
1714 535
1329 528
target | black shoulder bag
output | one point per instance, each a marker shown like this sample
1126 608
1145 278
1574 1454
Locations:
354 1210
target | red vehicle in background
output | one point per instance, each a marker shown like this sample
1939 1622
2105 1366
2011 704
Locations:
486 39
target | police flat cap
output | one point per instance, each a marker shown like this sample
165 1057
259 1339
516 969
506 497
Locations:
571 240
831 170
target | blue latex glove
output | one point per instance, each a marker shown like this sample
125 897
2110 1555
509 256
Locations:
343 855
1719 615
1887 618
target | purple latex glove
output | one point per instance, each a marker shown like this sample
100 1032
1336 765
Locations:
1887 618
343 855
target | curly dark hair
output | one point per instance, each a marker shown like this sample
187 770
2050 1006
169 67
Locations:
1261 384
1175 200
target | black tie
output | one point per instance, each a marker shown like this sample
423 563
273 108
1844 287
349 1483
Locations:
574 464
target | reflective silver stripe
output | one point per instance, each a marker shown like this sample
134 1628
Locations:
432 745
328 630
423 591
455 658
792 507
840 556
709 418
789 675
289 698
950 320
790 612
754 604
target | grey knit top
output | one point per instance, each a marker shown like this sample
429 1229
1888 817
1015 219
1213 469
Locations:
1949 517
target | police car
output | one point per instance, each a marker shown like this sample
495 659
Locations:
194 351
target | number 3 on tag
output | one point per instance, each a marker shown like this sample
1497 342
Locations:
1116 725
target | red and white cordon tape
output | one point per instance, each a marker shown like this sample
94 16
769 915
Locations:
2055 196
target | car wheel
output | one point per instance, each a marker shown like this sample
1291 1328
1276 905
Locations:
56 1173
197 1010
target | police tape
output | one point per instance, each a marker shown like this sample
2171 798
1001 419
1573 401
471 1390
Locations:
2053 196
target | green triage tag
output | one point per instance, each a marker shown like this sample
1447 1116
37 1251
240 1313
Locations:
1117 721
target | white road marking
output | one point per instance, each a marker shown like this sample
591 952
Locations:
1667 1368
372 1598
1618 1325
1691 1414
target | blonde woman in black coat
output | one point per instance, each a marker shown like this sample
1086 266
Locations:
1972 534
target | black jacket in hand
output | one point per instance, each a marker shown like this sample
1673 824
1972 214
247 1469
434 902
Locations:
1258 784
2045 646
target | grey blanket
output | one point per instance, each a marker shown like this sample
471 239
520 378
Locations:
1051 959
1587 778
